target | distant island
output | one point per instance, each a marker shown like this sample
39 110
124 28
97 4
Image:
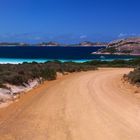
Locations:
126 46
83 44
88 44
55 44
49 44
14 44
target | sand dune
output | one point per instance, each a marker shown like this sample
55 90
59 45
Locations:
85 106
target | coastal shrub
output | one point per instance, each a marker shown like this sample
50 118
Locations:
18 74
96 62
76 67
16 79
48 74
56 65
115 63
3 86
118 63
134 76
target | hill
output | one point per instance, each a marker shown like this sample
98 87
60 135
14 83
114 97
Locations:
124 46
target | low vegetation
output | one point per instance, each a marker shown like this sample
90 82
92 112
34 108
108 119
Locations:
115 63
134 76
109 50
21 74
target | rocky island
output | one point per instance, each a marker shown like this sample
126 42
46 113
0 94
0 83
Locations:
127 46
49 44
56 44
14 44
81 44
88 43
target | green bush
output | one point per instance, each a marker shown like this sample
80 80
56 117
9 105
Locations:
115 63
22 73
134 76
48 74
16 79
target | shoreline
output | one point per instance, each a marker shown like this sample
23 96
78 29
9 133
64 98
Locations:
99 53
41 60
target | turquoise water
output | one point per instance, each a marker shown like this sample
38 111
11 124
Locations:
16 55
19 61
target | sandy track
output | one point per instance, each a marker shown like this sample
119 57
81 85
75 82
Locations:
85 106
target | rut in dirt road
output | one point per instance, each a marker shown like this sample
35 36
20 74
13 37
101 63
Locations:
84 106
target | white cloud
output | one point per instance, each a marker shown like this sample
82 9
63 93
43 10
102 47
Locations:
83 36
127 34
122 35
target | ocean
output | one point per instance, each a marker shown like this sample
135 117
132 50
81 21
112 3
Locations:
19 54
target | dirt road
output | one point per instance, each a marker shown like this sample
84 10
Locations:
85 106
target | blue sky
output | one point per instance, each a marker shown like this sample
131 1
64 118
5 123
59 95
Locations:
68 21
